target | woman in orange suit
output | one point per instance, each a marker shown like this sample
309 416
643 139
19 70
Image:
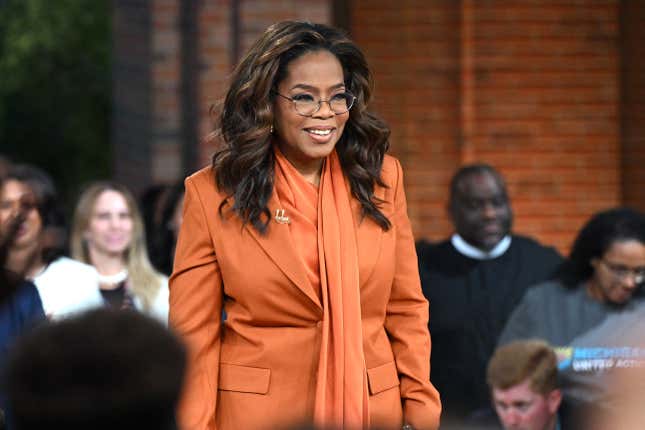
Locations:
298 231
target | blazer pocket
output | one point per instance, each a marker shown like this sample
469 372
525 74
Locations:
244 379
382 377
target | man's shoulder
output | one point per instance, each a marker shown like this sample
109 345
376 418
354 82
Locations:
531 245
528 241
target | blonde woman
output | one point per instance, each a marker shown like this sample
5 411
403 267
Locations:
108 233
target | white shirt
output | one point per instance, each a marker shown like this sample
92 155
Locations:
468 250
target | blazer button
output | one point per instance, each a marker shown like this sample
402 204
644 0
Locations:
319 324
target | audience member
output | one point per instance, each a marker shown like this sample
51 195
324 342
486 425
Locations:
473 281
523 379
64 286
164 235
602 275
105 369
591 310
152 202
11 219
20 304
108 233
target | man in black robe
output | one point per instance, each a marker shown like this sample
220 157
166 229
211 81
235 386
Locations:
473 280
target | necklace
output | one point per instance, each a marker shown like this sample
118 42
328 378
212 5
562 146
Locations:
117 278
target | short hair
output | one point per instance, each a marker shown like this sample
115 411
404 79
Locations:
471 170
106 369
533 360
596 237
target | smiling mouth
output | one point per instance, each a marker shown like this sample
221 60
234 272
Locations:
319 131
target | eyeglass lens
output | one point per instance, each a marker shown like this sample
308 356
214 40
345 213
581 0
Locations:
339 104
623 272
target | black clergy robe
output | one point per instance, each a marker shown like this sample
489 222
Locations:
470 301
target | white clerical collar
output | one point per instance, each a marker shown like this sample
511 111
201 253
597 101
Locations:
468 250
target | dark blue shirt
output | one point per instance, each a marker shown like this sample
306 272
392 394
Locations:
18 314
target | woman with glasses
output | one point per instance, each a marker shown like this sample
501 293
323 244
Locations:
298 232
593 313
601 277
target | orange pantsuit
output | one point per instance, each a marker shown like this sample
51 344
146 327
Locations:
258 368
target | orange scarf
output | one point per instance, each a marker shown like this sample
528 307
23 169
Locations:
300 200
341 387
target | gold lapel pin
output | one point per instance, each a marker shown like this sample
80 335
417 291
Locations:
281 218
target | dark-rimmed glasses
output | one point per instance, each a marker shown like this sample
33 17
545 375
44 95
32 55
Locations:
306 105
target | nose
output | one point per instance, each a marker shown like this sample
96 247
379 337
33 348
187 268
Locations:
115 221
324 111
630 281
512 418
488 211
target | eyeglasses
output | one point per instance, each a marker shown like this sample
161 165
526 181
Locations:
621 272
306 105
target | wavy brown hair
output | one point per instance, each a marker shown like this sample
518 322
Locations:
244 165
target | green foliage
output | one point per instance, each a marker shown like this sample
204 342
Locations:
55 92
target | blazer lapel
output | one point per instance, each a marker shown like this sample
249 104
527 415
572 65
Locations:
368 242
279 246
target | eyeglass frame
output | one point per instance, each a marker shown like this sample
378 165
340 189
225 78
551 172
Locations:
320 102
621 272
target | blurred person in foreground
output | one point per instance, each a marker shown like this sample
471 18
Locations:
474 280
523 379
102 370
36 253
108 233
299 231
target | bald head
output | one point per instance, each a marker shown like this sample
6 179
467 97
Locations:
479 206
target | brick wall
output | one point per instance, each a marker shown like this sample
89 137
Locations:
530 87
146 126
413 49
551 92
131 116
165 82
219 34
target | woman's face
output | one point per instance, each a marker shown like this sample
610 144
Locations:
16 198
620 271
306 141
110 228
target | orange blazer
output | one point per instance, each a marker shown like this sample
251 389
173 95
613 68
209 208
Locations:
257 369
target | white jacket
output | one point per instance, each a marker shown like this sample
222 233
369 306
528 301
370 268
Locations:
67 287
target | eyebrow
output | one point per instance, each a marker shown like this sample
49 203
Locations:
312 88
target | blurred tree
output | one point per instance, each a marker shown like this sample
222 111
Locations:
55 92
